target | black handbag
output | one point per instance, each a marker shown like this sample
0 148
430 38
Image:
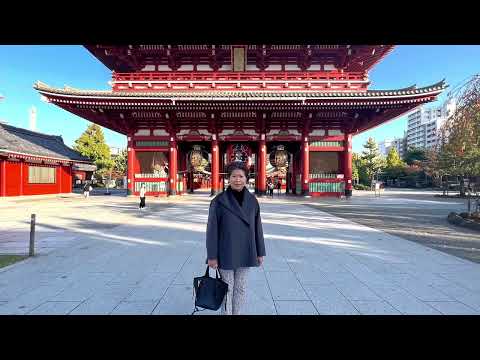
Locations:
209 292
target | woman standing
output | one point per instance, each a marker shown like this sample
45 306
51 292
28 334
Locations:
142 197
235 236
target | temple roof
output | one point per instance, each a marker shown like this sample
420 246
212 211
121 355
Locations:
411 91
127 58
353 111
27 142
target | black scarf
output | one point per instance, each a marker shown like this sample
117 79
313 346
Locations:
239 195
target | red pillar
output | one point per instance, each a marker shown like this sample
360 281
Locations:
305 166
21 177
293 177
3 177
215 167
262 163
59 178
172 166
130 165
347 165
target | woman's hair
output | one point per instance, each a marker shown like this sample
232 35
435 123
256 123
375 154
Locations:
237 165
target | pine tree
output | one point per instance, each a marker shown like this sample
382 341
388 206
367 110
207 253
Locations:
372 159
414 155
92 145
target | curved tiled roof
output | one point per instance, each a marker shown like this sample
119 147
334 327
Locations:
28 142
73 92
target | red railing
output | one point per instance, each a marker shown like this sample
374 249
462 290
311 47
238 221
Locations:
239 76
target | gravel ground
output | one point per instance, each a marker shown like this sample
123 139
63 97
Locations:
415 215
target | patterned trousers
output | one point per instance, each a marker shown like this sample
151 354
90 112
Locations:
237 286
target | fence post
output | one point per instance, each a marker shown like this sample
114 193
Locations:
31 251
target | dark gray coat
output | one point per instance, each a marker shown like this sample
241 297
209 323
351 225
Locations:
234 233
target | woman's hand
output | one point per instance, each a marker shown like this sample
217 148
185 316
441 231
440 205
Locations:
213 263
260 260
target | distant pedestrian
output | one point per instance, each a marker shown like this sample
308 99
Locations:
143 192
270 188
279 187
86 189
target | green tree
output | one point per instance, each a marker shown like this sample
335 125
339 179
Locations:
458 151
355 176
394 166
414 154
359 171
92 145
120 162
393 159
372 159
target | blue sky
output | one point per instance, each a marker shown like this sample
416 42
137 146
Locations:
21 66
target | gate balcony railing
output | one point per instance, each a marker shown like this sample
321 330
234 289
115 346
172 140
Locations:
251 80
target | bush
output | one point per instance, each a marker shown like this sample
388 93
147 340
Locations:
361 187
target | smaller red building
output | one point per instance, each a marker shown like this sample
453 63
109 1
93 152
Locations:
33 163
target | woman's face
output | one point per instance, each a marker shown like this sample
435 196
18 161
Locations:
237 179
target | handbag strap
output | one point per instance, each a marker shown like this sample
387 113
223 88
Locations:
217 273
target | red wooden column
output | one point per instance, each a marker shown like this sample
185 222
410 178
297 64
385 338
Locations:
130 165
21 176
215 166
347 165
262 161
173 166
3 177
305 166
59 178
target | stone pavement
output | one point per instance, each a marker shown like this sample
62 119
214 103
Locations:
118 260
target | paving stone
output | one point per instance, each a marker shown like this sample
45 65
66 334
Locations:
452 308
375 308
329 301
419 289
178 300
54 308
285 286
96 306
259 299
275 263
29 300
147 263
403 301
295 308
256 274
151 288
461 294
356 290
313 277
134 308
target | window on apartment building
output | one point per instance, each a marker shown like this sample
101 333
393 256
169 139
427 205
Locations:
41 175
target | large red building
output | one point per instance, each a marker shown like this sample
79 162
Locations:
32 163
288 111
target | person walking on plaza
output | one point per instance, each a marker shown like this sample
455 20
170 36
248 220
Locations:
279 187
86 189
234 237
142 197
270 188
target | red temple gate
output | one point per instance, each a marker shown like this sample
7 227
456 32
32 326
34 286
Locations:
300 105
